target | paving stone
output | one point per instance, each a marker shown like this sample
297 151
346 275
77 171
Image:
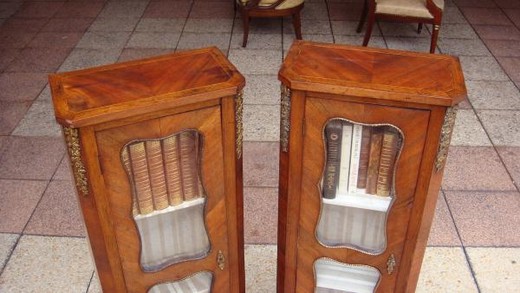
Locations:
445 269
58 212
260 204
489 95
261 164
202 40
443 232
7 243
39 121
123 9
256 61
261 123
502 126
260 268
511 158
468 131
10 114
496 269
262 89
31 157
18 199
475 169
103 40
482 68
84 58
42 262
159 40
112 24
486 218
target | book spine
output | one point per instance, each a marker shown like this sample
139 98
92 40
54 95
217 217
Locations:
354 159
346 143
387 162
363 159
376 140
189 165
156 170
141 178
172 165
126 163
333 133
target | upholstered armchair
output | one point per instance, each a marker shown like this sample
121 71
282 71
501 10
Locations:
419 11
270 8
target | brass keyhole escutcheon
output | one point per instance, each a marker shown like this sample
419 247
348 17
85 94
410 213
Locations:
390 264
221 260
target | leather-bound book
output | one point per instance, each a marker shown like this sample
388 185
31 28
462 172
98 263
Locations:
333 133
156 169
364 157
376 139
387 162
139 165
171 154
189 172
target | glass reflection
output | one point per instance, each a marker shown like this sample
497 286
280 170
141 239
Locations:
357 185
168 198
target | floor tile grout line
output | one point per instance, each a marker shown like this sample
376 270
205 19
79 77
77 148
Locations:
131 32
91 280
330 22
468 261
476 112
472 25
184 26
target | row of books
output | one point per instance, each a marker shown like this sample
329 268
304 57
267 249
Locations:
360 159
163 172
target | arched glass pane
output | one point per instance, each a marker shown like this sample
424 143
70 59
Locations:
357 185
168 198
335 277
198 283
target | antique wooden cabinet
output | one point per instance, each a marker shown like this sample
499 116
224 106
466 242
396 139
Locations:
364 138
155 148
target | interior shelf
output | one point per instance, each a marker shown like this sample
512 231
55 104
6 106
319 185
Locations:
361 201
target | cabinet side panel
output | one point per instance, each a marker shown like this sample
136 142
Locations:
99 226
424 207
289 197
231 107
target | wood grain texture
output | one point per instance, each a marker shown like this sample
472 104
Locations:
368 86
376 73
105 93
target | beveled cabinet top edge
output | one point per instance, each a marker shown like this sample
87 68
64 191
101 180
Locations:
100 101
360 79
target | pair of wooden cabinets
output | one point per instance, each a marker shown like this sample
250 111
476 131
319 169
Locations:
156 153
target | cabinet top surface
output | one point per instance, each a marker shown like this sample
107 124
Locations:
83 97
377 73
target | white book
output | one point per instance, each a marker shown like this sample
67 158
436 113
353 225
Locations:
354 158
346 142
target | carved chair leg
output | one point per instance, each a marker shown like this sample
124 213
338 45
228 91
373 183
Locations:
370 25
297 24
363 16
245 21
419 28
435 35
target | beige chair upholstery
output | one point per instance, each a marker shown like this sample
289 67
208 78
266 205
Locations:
270 8
420 11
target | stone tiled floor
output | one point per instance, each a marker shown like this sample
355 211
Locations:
474 245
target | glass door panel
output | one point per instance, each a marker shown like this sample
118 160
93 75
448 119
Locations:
198 283
358 184
168 198
335 277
